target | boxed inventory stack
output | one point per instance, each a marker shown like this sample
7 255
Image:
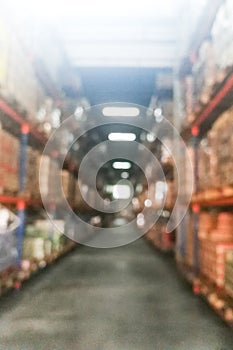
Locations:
31 107
206 87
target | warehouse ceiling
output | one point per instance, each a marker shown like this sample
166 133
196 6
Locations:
132 85
143 37
124 51
123 33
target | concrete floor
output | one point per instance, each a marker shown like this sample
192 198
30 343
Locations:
127 298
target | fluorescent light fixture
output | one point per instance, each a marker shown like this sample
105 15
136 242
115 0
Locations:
47 127
130 8
160 190
139 188
158 112
159 196
85 188
79 112
76 146
140 220
121 112
158 115
148 203
108 188
161 186
150 138
122 165
124 175
121 192
118 136
95 220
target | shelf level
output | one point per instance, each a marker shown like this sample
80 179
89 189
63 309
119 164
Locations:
4 199
10 112
221 100
206 289
221 201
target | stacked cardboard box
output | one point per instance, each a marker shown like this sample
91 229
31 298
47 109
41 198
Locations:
54 181
4 53
189 256
229 273
9 162
20 69
221 141
207 223
215 156
170 195
213 62
222 34
71 195
78 199
212 260
32 174
189 98
204 156
159 236
204 71
216 243
65 183
224 229
44 175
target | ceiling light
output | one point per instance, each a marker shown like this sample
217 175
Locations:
121 192
139 188
79 112
108 188
45 9
122 165
159 196
158 112
84 188
150 138
158 115
124 175
121 112
148 203
118 136
76 146
47 127
140 220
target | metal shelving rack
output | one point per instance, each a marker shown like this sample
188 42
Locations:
13 276
220 101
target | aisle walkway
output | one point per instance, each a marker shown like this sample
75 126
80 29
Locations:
127 298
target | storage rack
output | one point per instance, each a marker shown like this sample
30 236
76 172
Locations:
220 101
158 235
13 276
14 122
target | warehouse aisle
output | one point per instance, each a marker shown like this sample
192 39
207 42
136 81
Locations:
117 299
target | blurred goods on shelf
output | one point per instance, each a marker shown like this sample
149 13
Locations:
9 159
229 273
215 156
42 239
159 236
213 63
